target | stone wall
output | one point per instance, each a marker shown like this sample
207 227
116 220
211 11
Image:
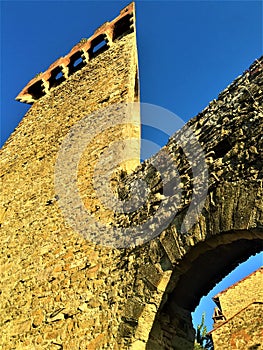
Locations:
242 331
241 294
60 290
241 308
229 228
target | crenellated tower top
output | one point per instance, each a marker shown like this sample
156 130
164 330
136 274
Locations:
79 56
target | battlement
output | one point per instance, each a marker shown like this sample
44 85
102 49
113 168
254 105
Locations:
79 56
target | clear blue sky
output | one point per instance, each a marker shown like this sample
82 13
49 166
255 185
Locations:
188 50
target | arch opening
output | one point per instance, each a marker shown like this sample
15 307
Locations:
205 265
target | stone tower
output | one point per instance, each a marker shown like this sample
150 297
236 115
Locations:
238 315
64 290
98 72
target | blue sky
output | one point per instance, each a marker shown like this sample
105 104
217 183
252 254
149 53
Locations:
188 51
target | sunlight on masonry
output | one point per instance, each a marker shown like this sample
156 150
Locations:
207 305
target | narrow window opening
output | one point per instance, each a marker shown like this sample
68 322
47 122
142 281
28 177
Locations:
98 45
56 77
59 75
36 90
123 26
76 62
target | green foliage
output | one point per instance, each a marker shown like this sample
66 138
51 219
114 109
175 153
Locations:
201 331
202 339
38 74
83 40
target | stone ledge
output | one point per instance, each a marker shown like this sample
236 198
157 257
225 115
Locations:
79 56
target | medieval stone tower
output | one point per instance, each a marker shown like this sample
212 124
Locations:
65 289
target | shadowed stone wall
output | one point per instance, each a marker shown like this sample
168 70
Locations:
179 268
60 290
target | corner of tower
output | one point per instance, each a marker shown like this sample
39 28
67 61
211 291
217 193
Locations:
81 54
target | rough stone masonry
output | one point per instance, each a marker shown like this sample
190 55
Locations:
238 315
62 291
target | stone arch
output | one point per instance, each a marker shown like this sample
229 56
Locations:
214 246
231 221
172 327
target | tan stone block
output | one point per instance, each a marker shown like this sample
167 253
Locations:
86 324
52 335
97 343
92 272
145 322
21 328
164 281
58 268
39 339
70 325
138 345
38 320
68 255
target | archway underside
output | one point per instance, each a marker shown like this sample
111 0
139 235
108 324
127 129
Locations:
199 271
